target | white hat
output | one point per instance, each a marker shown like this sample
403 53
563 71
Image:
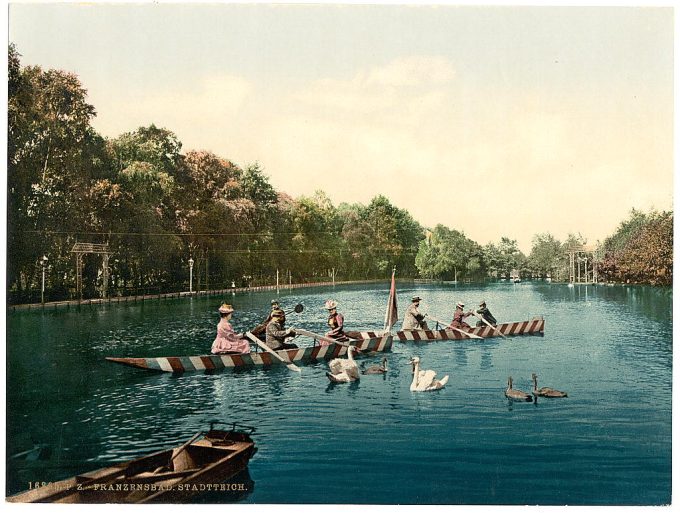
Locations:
331 304
460 305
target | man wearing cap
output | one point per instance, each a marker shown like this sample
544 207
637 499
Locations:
277 334
227 341
260 330
458 317
413 319
486 315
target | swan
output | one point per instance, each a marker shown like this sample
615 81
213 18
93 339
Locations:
423 381
545 391
377 369
516 395
344 370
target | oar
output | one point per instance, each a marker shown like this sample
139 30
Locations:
180 451
264 346
446 326
489 324
324 338
298 309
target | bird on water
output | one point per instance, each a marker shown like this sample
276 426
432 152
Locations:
516 395
545 391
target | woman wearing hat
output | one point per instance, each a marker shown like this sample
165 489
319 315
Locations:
227 341
413 319
336 322
458 317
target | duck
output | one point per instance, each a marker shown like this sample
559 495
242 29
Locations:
424 381
516 395
545 391
343 370
376 369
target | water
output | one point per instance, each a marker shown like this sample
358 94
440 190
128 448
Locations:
372 441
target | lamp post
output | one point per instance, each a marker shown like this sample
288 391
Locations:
43 262
191 274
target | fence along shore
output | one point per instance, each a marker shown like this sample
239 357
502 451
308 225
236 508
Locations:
174 295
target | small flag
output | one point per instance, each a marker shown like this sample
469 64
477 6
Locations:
391 313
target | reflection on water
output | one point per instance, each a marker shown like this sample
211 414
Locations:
609 442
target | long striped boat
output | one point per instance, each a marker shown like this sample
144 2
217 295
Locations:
367 341
534 326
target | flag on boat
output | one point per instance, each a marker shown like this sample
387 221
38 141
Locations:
391 313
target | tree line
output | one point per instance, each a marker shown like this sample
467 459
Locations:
158 207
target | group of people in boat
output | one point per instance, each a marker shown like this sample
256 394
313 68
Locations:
415 320
276 336
272 331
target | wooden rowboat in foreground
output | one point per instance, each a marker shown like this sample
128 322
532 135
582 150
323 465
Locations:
535 326
365 341
202 464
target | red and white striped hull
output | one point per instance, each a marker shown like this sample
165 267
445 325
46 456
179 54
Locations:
535 326
370 341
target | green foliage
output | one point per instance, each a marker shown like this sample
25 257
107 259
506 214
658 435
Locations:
157 207
448 254
546 254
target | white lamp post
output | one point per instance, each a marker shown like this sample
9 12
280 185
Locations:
43 262
191 274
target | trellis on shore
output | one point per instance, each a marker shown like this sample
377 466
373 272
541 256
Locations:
84 248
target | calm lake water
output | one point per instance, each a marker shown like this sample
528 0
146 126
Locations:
372 441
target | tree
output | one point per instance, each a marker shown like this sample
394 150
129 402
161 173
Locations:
546 252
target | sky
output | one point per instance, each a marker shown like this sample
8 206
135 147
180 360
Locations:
496 121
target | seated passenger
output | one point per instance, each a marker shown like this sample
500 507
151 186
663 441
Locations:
227 341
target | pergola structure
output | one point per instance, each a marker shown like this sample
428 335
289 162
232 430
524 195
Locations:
582 257
83 248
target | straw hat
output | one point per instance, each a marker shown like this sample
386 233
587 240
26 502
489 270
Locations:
279 313
225 308
460 305
331 304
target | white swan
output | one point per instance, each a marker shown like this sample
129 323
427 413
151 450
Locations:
424 381
343 371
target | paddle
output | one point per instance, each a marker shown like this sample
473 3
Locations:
471 335
489 324
264 346
298 309
324 338
180 451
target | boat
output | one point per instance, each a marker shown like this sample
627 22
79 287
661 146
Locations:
365 341
535 326
203 464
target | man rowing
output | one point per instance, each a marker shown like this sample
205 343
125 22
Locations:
276 333
260 330
413 319
486 315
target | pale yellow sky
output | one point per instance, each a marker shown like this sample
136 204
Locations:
497 121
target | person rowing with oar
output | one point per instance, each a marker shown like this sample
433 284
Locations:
336 323
277 333
459 315
413 319
260 330
485 316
